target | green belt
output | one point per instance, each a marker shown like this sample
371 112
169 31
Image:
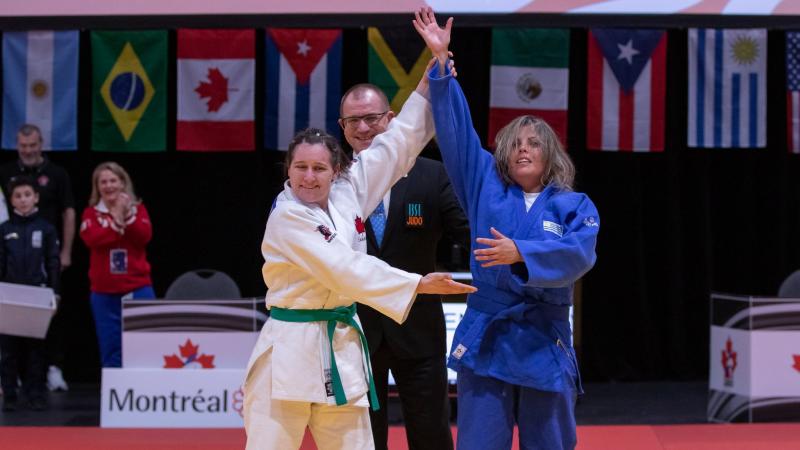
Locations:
343 314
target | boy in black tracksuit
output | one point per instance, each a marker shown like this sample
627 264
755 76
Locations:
29 254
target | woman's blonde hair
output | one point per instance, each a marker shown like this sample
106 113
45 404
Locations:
117 170
558 170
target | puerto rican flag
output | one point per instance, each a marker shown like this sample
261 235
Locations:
626 89
216 80
304 78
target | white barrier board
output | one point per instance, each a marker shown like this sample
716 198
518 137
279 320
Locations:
160 398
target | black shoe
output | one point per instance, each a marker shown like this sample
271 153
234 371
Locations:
39 404
9 404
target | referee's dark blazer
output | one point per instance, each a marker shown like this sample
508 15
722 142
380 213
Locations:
422 208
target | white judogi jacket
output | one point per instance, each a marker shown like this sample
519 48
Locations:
314 260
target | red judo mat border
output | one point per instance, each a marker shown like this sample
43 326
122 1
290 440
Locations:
616 437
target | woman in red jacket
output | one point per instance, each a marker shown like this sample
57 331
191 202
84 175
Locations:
116 228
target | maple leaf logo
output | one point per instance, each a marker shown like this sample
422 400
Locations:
216 89
360 225
796 362
189 357
729 362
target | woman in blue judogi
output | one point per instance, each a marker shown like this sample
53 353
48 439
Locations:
533 238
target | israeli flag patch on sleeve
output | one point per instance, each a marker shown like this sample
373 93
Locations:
553 228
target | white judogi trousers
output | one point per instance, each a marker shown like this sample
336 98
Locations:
280 424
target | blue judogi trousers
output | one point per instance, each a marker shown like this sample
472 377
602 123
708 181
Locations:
488 408
107 311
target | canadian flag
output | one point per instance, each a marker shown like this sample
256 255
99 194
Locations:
216 79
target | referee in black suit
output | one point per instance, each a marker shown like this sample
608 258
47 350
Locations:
404 231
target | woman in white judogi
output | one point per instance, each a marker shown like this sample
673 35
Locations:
310 365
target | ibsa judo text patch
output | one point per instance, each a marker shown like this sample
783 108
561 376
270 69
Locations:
414 218
459 351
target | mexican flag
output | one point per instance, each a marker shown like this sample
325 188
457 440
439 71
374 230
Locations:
529 75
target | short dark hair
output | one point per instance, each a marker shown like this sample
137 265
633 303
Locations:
340 161
358 91
22 180
28 129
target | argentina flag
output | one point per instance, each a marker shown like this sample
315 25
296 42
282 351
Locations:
40 86
304 77
727 88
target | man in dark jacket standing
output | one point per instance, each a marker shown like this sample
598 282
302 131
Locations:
404 231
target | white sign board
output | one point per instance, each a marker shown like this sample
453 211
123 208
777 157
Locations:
159 398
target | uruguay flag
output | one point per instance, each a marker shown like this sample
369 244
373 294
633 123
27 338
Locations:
304 77
40 86
727 88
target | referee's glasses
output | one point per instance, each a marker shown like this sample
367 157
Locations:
370 120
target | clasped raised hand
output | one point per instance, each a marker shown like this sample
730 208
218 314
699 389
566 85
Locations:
436 38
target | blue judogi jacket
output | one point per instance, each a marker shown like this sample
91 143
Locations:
516 326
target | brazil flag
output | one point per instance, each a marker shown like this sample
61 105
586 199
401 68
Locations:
129 85
397 58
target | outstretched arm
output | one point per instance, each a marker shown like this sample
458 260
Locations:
296 239
442 283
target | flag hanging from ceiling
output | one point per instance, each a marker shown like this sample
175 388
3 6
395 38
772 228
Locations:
129 85
727 88
793 90
397 58
304 82
626 89
40 86
530 75
216 78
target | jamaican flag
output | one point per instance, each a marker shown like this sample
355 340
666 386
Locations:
397 59
129 86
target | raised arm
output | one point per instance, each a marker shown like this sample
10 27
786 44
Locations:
393 153
466 161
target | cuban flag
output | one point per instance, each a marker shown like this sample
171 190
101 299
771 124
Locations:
793 90
40 86
727 88
626 89
304 70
